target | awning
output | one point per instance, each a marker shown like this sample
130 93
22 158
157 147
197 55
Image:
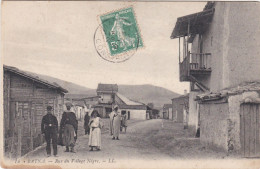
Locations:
198 23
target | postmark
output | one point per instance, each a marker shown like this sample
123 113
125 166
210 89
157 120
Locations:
117 37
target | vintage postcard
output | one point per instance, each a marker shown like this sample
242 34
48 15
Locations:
142 84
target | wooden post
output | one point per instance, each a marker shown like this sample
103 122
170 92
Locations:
19 147
31 125
187 45
184 50
179 50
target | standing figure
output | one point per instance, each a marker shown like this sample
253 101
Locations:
86 123
49 128
69 126
95 125
123 122
115 122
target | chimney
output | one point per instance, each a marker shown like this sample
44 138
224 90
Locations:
185 92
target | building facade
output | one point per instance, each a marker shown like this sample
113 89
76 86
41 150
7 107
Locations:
220 52
106 94
26 98
133 109
180 108
167 111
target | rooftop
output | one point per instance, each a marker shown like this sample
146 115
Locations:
239 89
197 22
182 96
107 88
34 78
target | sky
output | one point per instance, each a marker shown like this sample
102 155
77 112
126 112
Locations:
56 39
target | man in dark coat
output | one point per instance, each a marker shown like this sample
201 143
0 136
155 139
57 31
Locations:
69 126
86 125
49 128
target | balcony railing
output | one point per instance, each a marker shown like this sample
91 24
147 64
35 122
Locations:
194 64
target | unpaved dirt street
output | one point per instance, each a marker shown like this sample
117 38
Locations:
155 139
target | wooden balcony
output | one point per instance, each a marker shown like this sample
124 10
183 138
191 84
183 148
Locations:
195 64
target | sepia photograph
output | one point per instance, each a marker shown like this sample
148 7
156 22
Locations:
130 84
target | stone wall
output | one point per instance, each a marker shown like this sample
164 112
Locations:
214 125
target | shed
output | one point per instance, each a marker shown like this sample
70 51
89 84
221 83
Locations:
26 97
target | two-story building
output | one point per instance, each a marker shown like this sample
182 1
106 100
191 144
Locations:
109 96
106 94
219 55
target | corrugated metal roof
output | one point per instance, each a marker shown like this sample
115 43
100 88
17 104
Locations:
130 104
34 78
127 101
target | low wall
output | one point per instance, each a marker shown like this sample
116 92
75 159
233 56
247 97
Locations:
137 114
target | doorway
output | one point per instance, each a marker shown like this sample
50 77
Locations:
250 130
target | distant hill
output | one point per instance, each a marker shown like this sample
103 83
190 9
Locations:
148 94
142 93
71 87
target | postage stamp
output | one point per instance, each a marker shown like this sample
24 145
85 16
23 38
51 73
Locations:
121 31
121 34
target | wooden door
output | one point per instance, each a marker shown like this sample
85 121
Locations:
250 130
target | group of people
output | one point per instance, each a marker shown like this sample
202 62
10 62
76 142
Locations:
69 127
68 130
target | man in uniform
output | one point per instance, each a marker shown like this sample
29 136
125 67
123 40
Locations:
69 126
49 128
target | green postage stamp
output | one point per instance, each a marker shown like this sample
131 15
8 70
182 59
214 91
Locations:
121 31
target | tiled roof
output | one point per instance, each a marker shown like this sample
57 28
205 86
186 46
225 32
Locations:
34 78
107 87
244 87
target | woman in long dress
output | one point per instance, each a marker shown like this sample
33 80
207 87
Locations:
115 121
95 125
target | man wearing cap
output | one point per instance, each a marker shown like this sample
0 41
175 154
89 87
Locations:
115 121
49 128
69 126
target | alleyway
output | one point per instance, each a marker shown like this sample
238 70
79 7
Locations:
147 140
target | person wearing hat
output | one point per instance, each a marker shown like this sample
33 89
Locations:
49 128
95 124
115 121
69 127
